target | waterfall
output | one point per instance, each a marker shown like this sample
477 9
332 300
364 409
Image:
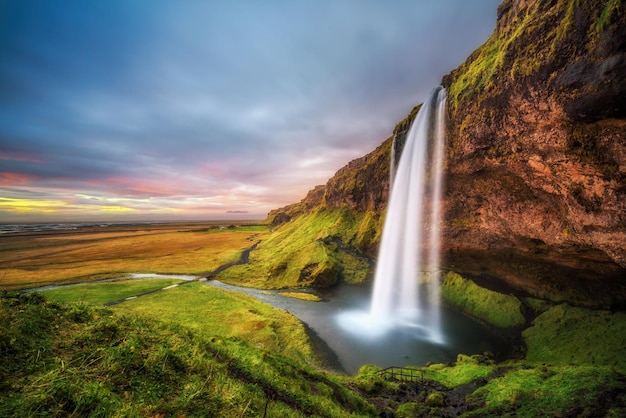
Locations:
401 261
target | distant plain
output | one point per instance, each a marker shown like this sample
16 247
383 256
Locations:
36 259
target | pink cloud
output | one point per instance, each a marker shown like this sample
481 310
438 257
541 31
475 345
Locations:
14 179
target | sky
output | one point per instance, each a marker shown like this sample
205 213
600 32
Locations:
204 110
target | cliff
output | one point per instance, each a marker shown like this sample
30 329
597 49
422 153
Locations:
536 165
535 196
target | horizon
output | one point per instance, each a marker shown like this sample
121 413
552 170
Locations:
178 111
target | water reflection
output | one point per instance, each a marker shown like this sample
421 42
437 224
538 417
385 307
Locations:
384 346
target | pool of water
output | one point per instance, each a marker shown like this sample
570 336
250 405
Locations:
348 349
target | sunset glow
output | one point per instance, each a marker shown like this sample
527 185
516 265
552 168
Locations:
164 110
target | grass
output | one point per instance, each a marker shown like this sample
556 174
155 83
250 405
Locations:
541 391
465 370
101 293
209 311
76 360
585 337
504 311
316 249
302 296
195 350
613 7
69 258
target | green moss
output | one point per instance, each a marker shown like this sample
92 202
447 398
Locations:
315 249
504 311
368 231
101 293
537 305
368 379
564 28
210 311
613 7
533 392
302 296
459 374
410 410
435 399
569 335
534 39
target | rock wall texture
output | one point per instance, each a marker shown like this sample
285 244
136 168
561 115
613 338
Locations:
535 198
536 168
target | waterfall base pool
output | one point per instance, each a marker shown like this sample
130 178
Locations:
397 346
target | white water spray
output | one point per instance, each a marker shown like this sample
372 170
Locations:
396 299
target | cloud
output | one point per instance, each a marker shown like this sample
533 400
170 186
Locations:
243 103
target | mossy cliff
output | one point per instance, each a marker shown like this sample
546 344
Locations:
535 197
536 167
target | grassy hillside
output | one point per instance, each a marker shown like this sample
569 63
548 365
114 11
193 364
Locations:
319 248
209 311
77 360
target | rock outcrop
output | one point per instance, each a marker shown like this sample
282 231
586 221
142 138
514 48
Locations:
535 196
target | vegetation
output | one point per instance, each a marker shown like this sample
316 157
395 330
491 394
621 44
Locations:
508 54
553 391
27 261
209 311
77 360
195 350
302 296
503 311
476 387
319 248
101 293
585 337
465 370
612 8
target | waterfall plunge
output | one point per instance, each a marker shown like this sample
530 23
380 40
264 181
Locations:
396 299
396 302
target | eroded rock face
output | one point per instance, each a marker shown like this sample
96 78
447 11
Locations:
535 198
536 167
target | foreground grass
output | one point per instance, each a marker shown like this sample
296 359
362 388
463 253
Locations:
553 391
199 351
101 293
30 261
209 311
76 360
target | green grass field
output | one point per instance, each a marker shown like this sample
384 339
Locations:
209 311
101 293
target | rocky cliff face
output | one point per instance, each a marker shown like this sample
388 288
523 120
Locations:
536 164
536 159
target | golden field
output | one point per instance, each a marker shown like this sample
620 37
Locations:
58 257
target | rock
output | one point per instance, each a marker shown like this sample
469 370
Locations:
535 198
